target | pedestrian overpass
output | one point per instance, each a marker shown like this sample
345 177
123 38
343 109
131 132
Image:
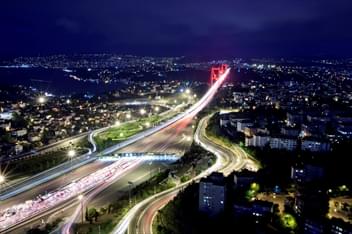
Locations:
142 155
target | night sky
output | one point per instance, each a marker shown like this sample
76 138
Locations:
219 28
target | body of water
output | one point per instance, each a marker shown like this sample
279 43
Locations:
54 81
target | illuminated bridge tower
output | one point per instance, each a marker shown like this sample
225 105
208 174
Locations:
216 72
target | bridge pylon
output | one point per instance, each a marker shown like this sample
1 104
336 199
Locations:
217 71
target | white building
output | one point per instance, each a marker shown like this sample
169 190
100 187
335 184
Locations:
21 132
6 115
257 140
283 142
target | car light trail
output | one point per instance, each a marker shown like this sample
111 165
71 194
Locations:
99 180
19 213
185 116
182 119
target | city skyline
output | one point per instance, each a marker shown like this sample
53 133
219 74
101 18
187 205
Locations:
185 117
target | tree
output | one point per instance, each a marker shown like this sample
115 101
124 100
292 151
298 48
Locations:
87 215
18 121
92 214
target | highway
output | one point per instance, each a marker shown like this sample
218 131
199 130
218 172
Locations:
142 218
55 172
131 217
170 130
52 173
68 166
171 139
53 184
84 171
181 120
174 139
94 183
117 189
230 159
90 184
45 176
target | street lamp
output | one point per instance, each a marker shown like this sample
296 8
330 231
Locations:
71 154
157 108
41 100
188 91
2 179
142 111
130 184
80 198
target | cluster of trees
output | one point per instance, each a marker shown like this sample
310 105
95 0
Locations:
92 215
38 163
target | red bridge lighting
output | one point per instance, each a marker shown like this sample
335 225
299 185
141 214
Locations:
216 72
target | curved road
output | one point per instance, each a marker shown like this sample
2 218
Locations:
182 121
140 218
229 159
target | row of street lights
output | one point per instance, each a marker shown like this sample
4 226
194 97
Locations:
142 111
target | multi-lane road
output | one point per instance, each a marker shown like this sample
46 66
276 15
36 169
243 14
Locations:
171 136
141 220
177 135
139 174
170 131
91 156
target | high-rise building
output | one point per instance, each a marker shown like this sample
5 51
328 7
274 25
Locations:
212 194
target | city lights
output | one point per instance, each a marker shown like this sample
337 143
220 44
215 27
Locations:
71 153
41 100
103 131
2 179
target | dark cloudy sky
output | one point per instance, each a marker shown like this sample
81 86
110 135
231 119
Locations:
181 27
